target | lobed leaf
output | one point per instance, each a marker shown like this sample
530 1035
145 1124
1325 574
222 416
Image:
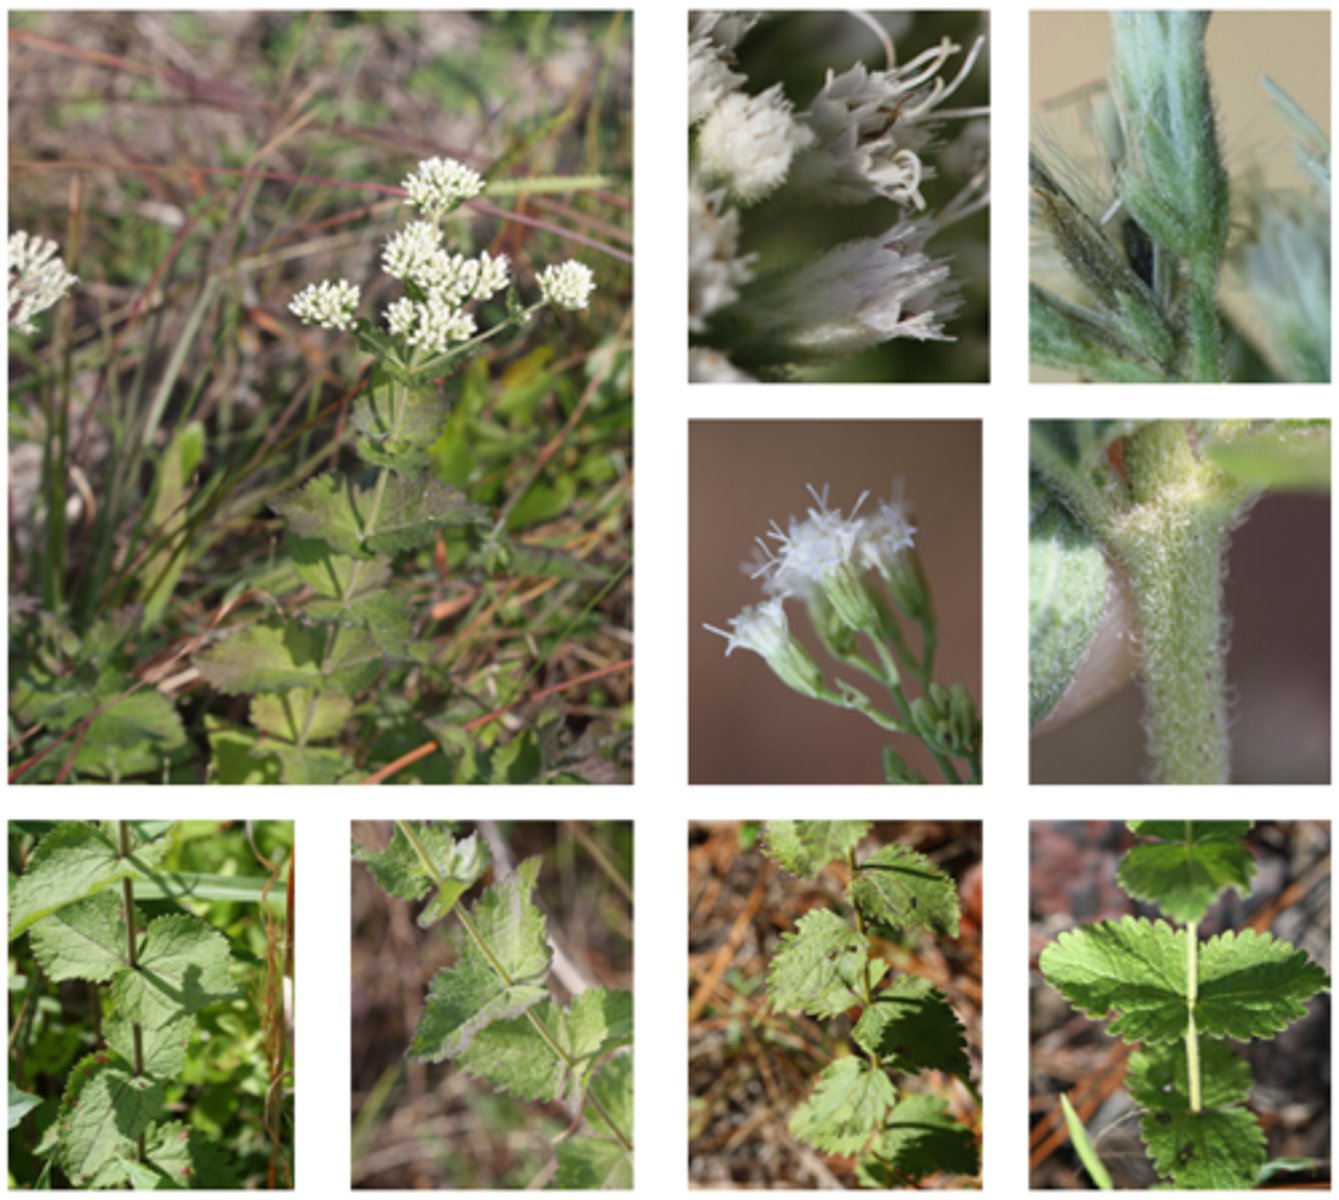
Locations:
163 1046
242 756
820 969
83 940
1219 1148
899 887
1133 968
275 655
337 576
105 1109
1251 985
589 1163
73 861
353 518
465 998
920 1138
455 867
1158 1076
1183 873
300 713
911 1027
848 1105
602 1161
183 966
805 847
514 1056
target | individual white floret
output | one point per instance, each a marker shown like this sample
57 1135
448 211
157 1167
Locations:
437 185
567 285
710 79
748 142
858 295
716 272
763 629
872 128
887 534
37 279
329 304
807 552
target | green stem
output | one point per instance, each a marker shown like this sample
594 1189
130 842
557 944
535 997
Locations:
867 985
1206 335
1173 542
1192 994
132 959
483 947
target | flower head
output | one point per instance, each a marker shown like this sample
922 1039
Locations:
431 324
567 285
716 271
37 279
328 304
710 78
763 628
437 185
748 142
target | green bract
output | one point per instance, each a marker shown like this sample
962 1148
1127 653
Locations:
1180 997
825 969
492 1012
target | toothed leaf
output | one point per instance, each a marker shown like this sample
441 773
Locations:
183 966
1183 873
805 847
1218 1148
848 1105
920 1138
911 1027
899 887
83 940
819 969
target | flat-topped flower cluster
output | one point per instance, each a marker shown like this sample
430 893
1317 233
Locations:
37 279
440 286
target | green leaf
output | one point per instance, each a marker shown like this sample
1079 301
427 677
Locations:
1084 1148
1068 451
197 885
83 940
345 514
611 1085
1251 985
386 616
513 1056
911 1027
820 969
1218 1148
1158 1076
1067 594
73 861
162 569
904 889
287 715
131 735
164 1046
805 847
602 1161
1130 967
847 1107
274 655
590 1163
20 1104
183 966
477 991
1184 873
241 756
920 1138
105 1109
1280 457
337 576
455 867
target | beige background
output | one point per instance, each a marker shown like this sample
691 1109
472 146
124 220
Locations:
745 726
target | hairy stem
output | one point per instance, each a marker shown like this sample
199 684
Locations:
1173 542
487 951
132 958
1192 994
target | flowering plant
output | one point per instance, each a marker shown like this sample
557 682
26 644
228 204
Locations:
863 140
825 561
344 531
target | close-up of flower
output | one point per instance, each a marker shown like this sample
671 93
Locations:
37 279
837 196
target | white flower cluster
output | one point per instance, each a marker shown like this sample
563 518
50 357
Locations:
437 185
862 138
442 285
37 279
821 556
329 304
567 285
